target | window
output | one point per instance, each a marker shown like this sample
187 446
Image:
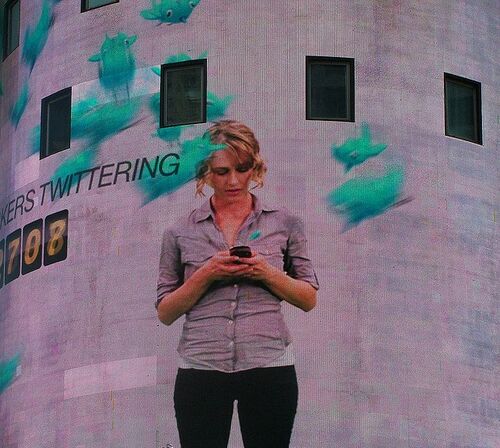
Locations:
183 93
11 24
87 5
462 106
329 88
55 132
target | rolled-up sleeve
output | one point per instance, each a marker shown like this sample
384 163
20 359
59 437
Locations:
170 275
297 262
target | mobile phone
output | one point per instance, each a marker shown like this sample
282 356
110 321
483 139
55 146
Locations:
241 251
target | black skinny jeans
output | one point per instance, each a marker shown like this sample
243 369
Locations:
267 402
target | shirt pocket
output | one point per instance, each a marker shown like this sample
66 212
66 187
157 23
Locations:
194 253
271 252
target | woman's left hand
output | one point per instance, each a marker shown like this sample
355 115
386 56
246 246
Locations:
260 269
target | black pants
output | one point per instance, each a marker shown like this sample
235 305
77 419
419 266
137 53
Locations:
267 402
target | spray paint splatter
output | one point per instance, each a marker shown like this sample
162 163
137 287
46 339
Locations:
35 39
19 106
355 151
217 106
192 153
254 235
170 11
8 372
116 62
364 197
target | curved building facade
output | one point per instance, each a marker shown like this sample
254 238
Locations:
378 121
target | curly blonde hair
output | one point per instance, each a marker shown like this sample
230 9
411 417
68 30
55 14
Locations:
241 141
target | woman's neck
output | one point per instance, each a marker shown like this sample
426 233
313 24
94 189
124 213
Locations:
239 208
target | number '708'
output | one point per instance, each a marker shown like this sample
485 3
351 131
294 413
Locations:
23 252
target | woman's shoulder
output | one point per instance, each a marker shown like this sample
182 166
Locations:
185 224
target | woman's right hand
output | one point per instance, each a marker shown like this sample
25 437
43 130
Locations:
224 266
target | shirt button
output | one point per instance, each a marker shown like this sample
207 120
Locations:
231 322
233 304
231 344
235 285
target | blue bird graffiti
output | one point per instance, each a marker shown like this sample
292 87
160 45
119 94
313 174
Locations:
355 151
36 38
8 372
19 106
97 122
170 11
116 62
364 197
192 153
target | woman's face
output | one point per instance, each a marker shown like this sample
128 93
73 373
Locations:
229 177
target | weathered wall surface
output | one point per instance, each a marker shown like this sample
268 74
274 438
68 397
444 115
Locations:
402 349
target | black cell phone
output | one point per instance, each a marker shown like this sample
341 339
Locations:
241 251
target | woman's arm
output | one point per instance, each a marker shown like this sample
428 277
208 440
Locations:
297 292
178 302
181 300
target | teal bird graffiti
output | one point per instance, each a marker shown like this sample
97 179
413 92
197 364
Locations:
364 197
34 147
355 151
8 372
97 122
35 39
170 11
116 62
192 153
84 160
217 106
19 106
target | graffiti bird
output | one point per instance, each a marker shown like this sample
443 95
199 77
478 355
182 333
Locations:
36 38
355 151
364 197
97 122
192 153
170 11
8 372
116 62
19 106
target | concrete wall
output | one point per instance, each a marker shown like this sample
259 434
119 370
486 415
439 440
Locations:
402 349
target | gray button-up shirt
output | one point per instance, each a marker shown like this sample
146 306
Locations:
235 325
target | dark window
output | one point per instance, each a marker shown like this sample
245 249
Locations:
87 5
183 93
462 105
12 19
329 88
55 133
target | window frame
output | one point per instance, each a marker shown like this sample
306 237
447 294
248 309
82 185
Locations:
477 116
7 8
44 121
163 90
85 8
349 62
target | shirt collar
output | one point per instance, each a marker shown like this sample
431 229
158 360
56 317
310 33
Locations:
205 210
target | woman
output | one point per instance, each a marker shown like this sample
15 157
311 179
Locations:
235 344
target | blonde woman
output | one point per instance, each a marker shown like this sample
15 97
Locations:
235 344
